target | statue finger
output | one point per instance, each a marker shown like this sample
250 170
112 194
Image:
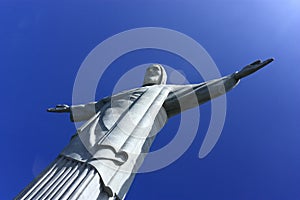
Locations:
51 109
256 62
268 61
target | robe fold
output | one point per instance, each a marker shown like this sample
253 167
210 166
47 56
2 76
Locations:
117 137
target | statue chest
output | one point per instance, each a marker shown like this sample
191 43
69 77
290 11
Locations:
120 105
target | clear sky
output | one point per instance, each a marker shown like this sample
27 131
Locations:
43 44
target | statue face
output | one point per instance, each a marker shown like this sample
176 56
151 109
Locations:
153 75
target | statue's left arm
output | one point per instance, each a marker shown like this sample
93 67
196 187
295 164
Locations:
188 96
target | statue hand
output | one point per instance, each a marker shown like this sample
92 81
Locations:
60 108
253 67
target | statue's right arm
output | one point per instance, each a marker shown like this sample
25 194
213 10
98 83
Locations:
81 112
78 113
59 108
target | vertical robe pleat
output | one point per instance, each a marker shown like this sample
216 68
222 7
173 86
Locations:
66 179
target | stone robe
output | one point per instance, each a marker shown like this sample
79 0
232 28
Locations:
120 129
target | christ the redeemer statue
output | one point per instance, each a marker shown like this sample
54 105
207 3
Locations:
102 158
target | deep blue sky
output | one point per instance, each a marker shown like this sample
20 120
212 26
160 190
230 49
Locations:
43 43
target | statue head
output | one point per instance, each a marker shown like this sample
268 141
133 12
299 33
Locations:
155 75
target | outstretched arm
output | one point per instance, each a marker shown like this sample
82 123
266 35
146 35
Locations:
81 112
189 96
60 108
77 112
